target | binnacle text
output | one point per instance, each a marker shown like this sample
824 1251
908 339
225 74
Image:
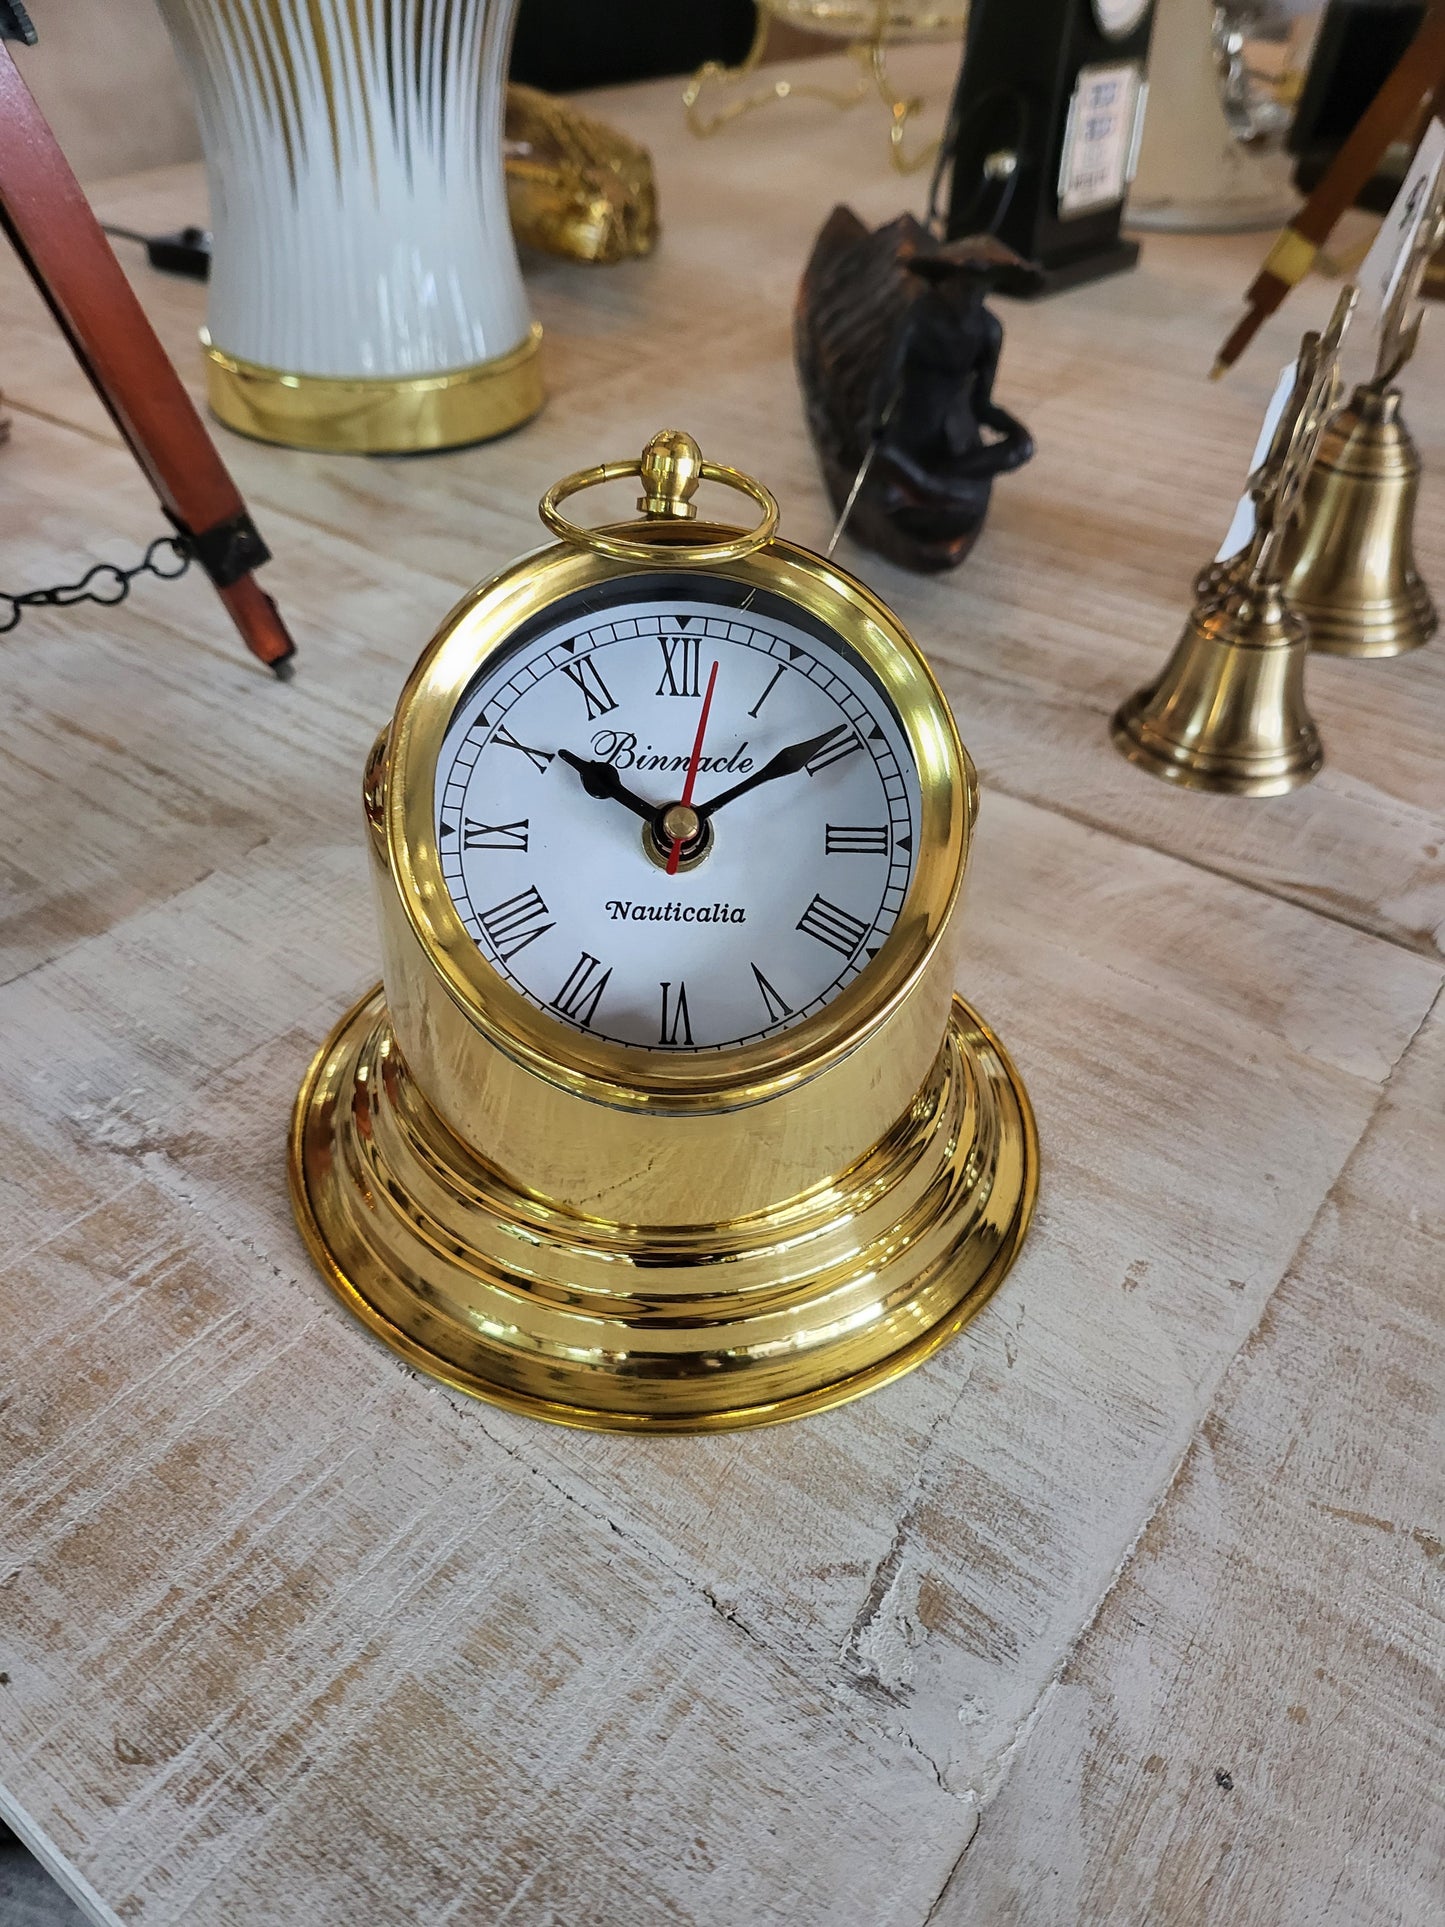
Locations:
619 747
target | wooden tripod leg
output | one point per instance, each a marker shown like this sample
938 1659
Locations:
48 218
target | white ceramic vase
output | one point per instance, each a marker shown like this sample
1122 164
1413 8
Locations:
365 292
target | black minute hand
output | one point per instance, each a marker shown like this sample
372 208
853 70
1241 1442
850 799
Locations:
602 781
787 762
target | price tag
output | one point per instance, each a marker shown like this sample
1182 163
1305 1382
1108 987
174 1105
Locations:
1099 138
1390 248
1241 528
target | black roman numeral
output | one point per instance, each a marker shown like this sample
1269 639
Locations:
830 925
849 839
494 836
674 1016
753 712
777 1008
834 752
588 678
538 758
515 922
681 666
582 992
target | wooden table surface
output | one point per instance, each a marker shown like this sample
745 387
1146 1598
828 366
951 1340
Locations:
1125 1608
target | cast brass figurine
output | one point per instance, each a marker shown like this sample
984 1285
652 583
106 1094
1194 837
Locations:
1349 561
1228 714
576 187
897 354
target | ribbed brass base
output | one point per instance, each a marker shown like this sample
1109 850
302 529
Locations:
376 415
628 1327
1373 629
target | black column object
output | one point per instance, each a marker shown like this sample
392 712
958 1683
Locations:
1017 107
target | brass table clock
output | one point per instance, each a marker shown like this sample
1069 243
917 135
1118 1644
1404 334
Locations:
666 1116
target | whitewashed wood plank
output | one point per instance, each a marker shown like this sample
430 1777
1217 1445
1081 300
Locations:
1196 1098
280 1646
1252 1728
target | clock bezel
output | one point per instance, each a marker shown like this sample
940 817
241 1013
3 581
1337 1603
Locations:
630 1076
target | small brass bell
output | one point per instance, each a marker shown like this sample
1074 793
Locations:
1228 713
1350 561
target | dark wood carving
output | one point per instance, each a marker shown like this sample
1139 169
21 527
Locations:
897 354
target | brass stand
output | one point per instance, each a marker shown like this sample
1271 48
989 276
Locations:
871 25
620 1326
376 414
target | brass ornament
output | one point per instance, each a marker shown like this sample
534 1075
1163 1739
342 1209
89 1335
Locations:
630 1239
1228 714
575 186
1349 560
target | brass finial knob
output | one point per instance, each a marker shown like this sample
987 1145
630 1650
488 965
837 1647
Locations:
671 470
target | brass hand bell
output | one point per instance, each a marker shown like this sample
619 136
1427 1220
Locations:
1349 560
1228 713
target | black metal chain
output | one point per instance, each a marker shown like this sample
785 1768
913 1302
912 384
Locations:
106 583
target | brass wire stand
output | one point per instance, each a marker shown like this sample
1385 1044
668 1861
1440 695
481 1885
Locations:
873 25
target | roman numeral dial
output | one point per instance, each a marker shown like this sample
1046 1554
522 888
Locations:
599 742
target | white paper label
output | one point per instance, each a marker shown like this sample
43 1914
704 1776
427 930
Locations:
1241 528
1098 137
1390 249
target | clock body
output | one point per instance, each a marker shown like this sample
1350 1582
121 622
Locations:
1048 114
659 1120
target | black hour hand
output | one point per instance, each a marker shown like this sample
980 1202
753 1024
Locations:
787 762
602 781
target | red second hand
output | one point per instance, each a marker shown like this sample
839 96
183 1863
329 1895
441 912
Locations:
675 853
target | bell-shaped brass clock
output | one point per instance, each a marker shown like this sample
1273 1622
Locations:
666 1116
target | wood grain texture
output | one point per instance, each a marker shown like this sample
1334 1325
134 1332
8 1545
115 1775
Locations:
1252 1729
292 1634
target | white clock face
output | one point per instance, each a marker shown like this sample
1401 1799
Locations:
1117 18
714 925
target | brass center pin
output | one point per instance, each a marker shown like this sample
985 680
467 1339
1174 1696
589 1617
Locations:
678 823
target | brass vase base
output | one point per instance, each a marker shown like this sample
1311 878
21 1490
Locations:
1349 562
628 1327
376 414
1228 714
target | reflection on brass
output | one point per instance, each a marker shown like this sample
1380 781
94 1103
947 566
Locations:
376 414
576 187
868 26
1228 714
634 1240
1350 560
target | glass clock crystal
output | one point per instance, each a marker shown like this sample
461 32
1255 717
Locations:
666 1115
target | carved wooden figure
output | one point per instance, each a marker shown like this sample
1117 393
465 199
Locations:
897 355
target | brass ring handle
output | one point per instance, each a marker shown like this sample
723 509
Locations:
671 467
